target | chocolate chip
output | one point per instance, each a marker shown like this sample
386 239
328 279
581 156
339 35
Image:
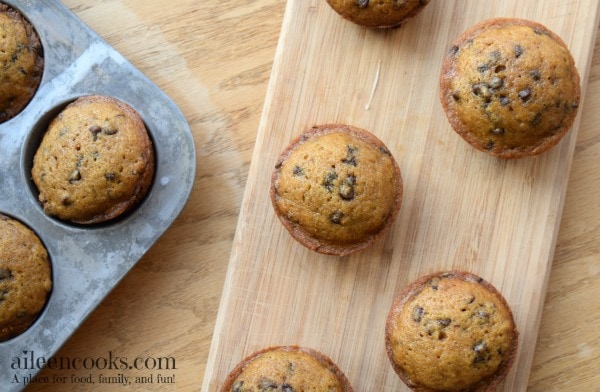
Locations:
504 100
347 188
110 176
417 314
456 96
496 82
444 322
480 347
490 145
434 283
336 217
350 157
481 351
518 51
237 387
499 68
66 200
498 131
5 274
298 171
110 131
330 177
482 90
537 119
362 3
482 314
95 130
575 105
287 388
3 295
267 385
525 94
454 50
384 150
535 74
74 176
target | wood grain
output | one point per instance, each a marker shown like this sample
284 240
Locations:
214 59
462 209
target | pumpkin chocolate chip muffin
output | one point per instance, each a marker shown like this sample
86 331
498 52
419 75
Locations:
451 331
287 369
21 62
336 188
25 277
378 13
95 162
510 87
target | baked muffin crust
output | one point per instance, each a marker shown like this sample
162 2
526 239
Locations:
378 13
336 188
95 162
25 277
21 62
288 369
451 331
510 87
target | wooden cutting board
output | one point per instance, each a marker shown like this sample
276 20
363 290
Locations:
462 209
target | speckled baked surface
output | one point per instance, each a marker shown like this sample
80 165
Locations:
451 331
21 62
95 162
287 369
336 188
510 87
378 13
25 277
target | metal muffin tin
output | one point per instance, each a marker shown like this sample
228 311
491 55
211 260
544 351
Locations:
87 261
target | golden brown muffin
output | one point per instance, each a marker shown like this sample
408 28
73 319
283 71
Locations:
25 277
336 188
95 162
510 87
451 331
21 62
287 369
378 13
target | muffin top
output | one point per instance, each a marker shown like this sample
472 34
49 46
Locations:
451 331
287 369
21 62
95 162
510 87
378 13
336 188
25 277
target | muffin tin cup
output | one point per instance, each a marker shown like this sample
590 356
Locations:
87 261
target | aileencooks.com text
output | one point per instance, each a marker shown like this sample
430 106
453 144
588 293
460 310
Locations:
27 360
